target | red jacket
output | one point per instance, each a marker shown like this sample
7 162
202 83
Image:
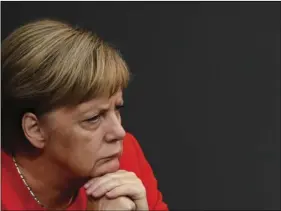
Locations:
15 195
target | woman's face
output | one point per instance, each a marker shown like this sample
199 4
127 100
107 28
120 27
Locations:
85 140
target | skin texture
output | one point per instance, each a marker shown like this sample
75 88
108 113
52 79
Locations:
78 144
121 203
120 183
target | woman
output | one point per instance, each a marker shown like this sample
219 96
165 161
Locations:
63 145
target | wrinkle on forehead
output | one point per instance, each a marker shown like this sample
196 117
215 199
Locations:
94 105
100 103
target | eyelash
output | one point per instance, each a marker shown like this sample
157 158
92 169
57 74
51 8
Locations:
94 118
119 107
97 117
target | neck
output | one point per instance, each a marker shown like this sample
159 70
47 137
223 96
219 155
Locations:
52 186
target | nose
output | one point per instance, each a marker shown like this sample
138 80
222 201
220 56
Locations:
115 130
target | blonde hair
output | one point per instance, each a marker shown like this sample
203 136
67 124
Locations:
48 64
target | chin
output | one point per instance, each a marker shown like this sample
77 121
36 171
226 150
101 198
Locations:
107 166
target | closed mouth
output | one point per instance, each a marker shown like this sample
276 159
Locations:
116 155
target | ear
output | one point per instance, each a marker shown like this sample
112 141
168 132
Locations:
32 130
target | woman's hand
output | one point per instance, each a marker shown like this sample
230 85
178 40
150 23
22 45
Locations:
121 203
120 183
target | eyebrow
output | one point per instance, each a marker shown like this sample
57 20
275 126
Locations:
100 109
95 109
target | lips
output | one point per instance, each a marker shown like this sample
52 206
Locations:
115 155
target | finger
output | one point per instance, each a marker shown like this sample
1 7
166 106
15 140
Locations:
97 182
90 182
105 184
127 204
106 187
131 190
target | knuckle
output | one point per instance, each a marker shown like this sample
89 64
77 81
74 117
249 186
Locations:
117 181
139 183
131 205
142 187
106 189
123 199
100 190
127 203
138 180
141 190
132 174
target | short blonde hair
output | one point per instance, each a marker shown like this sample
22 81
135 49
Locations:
48 64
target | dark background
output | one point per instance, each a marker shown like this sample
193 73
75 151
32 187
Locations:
204 102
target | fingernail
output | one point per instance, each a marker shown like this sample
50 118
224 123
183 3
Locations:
86 185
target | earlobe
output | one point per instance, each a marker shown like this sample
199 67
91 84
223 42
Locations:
32 130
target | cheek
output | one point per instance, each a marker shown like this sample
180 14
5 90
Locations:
86 150
78 149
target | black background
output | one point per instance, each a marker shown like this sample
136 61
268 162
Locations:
204 101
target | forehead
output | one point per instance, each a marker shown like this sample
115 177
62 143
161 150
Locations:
94 105
101 103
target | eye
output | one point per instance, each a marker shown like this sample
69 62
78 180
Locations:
93 119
